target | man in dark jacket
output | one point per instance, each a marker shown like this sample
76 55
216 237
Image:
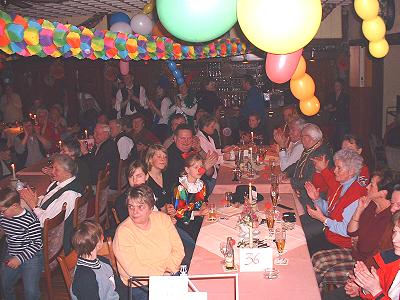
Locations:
104 152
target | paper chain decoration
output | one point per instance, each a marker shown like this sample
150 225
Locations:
29 37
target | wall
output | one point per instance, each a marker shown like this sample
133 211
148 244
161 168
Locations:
331 27
391 86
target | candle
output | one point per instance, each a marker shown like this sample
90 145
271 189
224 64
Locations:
13 171
59 144
30 115
86 134
250 193
251 154
252 136
251 235
34 118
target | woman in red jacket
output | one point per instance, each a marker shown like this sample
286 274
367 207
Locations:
324 177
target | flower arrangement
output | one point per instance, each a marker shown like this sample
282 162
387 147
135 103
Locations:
248 217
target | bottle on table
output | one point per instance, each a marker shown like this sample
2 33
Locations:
230 255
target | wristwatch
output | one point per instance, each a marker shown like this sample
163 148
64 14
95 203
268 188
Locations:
282 149
326 222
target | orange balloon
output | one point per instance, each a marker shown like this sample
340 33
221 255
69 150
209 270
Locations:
301 69
310 106
303 88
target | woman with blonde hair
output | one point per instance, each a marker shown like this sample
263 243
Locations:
156 161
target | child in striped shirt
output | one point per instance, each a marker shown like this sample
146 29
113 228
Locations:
24 256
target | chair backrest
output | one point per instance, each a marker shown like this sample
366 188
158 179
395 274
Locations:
81 206
116 219
53 236
100 207
107 251
53 244
68 263
122 181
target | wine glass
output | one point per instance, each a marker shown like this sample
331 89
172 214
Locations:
280 238
270 218
223 249
274 193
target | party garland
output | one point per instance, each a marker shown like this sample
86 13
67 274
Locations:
27 37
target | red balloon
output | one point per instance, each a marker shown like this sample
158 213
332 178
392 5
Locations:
280 67
124 67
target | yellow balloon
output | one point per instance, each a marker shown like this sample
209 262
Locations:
148 8
310 106
303 88
301 69
379 49
279 26
366 9
374 30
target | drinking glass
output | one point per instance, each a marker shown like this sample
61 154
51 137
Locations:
274 193
228 198
270 218
212 212
280 238
223 250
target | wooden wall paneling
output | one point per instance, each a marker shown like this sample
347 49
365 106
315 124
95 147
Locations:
324 74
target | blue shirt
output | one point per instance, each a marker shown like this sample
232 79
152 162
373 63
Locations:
333 225
254 104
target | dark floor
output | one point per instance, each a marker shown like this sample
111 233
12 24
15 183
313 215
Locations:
59 288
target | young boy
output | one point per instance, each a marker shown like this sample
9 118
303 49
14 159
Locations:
94 277
24 255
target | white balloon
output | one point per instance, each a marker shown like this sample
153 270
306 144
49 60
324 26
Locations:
141 24
121 27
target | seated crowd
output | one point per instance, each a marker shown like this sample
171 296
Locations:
171 169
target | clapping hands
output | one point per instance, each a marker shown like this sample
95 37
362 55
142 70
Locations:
367 280
320 163
312 191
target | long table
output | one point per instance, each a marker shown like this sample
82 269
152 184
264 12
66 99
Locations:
296 280
32 176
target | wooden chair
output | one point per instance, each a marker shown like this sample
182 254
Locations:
116 219
122 180
53 237
100 206
68 263
81 206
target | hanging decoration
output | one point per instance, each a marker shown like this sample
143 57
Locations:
302 87
373 27
279 26
27 37
175 72
280 67
197 21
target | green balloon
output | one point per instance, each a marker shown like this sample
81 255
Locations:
197 20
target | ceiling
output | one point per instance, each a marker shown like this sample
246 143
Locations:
71 8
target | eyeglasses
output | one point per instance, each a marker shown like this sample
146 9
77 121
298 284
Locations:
4 210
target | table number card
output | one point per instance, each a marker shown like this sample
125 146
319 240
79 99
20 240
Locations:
256 259
168 287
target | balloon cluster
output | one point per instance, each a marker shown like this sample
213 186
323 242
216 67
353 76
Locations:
303 88
373 26
175 72
29 37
